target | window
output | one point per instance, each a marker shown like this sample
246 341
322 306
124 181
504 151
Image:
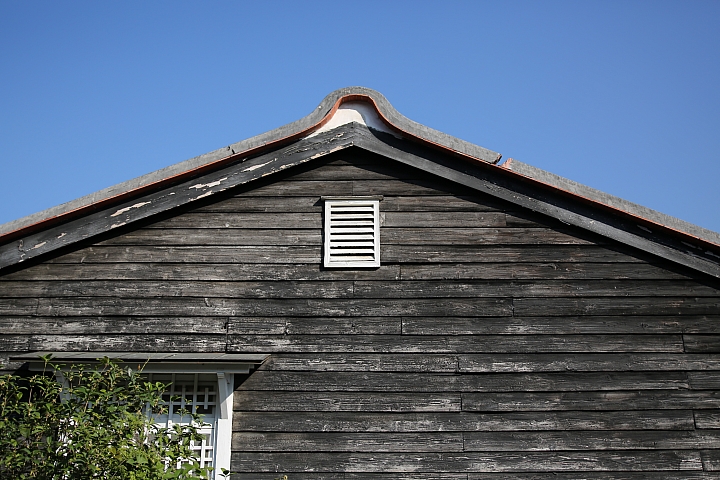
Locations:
198 393
351 235
202 383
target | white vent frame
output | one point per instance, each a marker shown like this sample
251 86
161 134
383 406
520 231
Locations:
351 232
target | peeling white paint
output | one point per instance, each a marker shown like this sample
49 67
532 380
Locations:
206 194
126 209
61 235
255 167
208 185
38 245
359 112
115 225
318 155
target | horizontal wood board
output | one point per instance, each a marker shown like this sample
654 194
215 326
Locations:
493 342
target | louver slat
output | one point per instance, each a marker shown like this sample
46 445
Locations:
352 233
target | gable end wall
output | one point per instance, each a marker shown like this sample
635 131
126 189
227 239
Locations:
491 343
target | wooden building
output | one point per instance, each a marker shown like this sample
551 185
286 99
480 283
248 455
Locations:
380 300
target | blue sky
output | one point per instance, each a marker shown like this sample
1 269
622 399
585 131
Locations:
620 95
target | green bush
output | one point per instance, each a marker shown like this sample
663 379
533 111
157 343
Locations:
97 424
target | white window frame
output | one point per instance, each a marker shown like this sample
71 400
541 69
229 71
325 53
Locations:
222 423
351 239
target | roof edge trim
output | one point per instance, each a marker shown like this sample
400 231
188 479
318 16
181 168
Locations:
251 146
617 203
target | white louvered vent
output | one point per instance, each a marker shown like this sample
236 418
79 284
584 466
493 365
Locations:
352 232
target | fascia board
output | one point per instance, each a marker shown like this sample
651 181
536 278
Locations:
617 203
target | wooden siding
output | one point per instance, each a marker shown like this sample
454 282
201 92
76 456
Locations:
492 343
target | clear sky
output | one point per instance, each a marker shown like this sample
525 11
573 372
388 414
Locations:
623 96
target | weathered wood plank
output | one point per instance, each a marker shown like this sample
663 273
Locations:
434 382
429 186
114 343
420 253
405 476
315 326
225 221
630 324
587 362
617 400
320 188
116 325
491 363
620 440
14 343
305 189
702 343
375 171
340 326
268 255
470 461
307 204
473 441
197 272
299 401
214 236
442 203
711 459
19 306
540 288
443 219
454 344
363 362
152 289
296 475
685 475
707 419
462 422
168 342
609 306
347 442
578 270
475 402
704 380
478 236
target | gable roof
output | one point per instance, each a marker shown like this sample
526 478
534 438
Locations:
359 117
